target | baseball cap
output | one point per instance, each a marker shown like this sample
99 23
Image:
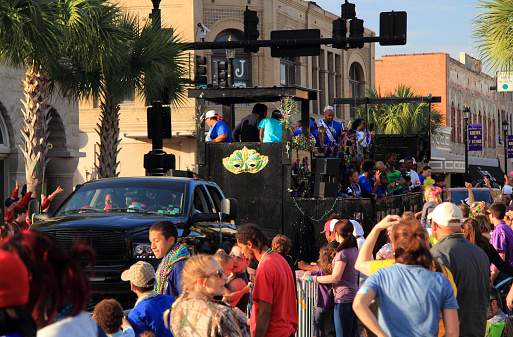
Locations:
446 214
10 201
14 282
410 157
509 208
358 230
211 113
329 226
140 274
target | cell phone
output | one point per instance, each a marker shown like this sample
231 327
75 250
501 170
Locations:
344 126
371 127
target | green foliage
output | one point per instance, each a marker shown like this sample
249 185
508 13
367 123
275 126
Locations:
147 60
401 118
493 33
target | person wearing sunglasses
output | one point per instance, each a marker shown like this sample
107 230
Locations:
196 313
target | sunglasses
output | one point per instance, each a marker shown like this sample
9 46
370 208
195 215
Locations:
219 273
237 258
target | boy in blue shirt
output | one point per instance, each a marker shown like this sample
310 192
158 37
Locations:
270 128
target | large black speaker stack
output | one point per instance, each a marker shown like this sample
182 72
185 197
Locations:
327 171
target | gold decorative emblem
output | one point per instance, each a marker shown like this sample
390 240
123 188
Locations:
245 161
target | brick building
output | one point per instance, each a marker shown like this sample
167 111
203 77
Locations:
336 73
459 83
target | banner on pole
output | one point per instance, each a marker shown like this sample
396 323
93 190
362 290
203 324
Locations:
475 137
510 146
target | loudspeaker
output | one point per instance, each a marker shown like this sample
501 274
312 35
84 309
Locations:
327 172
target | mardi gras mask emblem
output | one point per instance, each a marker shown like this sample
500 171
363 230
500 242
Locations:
245 161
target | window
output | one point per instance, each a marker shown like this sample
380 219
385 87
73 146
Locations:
355 83
241 62
287 71
355 80
216 197
201 202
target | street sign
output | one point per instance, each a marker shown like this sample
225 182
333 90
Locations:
510 145
475 137
505 81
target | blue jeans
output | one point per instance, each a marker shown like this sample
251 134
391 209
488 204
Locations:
346 323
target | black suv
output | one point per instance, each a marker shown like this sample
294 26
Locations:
114 217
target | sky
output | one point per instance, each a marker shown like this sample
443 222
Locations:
433 26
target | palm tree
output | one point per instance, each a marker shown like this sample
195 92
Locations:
400 118
37 35
151 64
492 33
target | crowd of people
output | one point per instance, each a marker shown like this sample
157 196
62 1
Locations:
434 277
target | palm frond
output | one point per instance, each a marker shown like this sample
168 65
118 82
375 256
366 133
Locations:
493 33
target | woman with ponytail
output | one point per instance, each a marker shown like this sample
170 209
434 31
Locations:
411 296
344 278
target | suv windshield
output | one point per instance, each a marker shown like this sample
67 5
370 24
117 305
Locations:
143 196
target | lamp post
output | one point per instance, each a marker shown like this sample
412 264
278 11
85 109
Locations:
466 112
505 125
155 13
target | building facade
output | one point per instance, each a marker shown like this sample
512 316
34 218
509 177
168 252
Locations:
460 83
64 153
335 73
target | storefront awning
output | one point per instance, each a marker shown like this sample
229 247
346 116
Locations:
478 171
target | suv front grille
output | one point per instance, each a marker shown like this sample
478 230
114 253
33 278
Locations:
110 246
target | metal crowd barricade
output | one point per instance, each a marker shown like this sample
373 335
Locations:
306 296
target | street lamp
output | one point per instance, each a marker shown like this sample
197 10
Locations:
155 13
505 125
230 55
466 113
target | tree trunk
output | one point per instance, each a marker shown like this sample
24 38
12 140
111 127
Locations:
108 131
36 113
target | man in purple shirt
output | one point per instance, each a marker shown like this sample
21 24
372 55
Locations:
502 238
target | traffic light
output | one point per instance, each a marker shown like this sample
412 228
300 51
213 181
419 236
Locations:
200 75
392 24
339 30
356 30
222 74
251 32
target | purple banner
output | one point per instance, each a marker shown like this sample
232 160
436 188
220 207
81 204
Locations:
475 137
510 146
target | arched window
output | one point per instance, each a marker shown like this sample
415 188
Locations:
4 134
355 83
241 62
355 79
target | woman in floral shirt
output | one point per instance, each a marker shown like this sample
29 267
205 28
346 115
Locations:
196 313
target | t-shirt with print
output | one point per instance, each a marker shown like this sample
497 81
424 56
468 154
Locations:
274 284
502 241
272 130
411 299
346 288
218 129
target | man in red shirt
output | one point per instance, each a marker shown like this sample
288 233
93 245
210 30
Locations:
274 311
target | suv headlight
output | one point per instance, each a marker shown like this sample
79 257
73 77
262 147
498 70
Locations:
142 251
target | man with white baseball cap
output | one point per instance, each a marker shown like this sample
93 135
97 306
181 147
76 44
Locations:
219 131
468 264
150 306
